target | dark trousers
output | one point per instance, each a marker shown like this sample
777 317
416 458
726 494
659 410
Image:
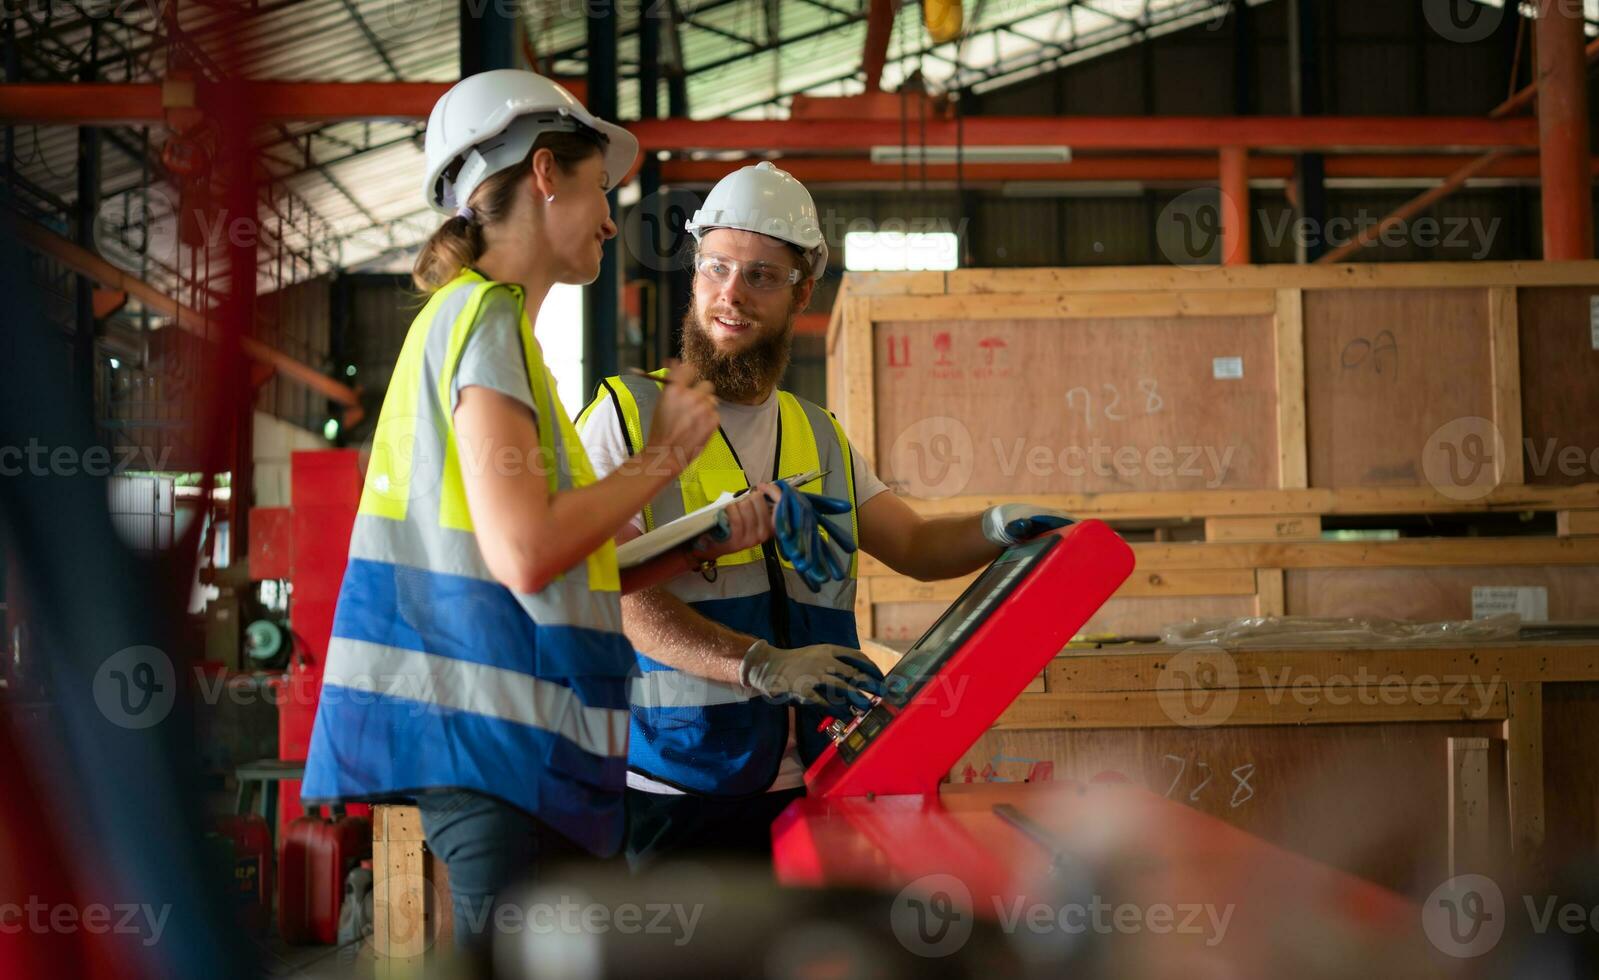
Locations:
487 845
663 826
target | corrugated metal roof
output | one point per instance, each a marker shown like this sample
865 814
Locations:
356 201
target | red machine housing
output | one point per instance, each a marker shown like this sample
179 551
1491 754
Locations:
876 816
311 543
919 742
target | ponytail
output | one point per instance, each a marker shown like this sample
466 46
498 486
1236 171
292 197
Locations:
459 241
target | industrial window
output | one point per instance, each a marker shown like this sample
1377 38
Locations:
892 251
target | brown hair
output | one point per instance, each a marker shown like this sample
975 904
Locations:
458 243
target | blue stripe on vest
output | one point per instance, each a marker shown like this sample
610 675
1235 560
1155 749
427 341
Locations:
734 749
367 745
397 605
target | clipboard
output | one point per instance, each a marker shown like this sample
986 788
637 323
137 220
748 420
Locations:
710 519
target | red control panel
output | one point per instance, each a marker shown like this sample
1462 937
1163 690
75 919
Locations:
967 669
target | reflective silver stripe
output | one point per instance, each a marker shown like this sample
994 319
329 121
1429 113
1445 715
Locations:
833 595
668 504
674 689
732 582
477 688
834 457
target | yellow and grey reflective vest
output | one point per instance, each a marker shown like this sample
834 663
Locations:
703 736
438 675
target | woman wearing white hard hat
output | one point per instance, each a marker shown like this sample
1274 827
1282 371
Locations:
477 662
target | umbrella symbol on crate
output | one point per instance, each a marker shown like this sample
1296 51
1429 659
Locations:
990 345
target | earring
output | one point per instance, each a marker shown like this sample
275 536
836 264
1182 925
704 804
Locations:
550 199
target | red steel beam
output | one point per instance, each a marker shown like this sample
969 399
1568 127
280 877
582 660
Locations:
1411 208
1187 168
130 104
1234 205
1330 133
114 104
1567 177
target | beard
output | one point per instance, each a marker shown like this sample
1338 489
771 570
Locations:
742 375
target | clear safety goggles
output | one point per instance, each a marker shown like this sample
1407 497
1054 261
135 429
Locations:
720 269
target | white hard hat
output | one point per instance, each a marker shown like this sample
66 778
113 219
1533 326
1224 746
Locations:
768 201
489 121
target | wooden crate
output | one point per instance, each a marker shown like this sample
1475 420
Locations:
1089 381
1342 755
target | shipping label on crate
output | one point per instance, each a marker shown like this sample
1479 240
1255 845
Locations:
1531 603
1227 368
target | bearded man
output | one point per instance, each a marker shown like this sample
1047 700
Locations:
738 664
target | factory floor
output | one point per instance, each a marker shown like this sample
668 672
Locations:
280 960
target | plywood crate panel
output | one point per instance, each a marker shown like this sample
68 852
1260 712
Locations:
1384 370
1560 384
1436 594
1369 799
1075 405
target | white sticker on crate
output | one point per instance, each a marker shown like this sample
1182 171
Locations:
1530 602
1227 368
1593 320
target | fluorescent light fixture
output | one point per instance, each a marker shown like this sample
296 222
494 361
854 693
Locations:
892 251
971 154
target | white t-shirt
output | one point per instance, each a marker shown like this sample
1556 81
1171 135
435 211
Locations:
752 432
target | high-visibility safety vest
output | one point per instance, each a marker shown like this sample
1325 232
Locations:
704 736
439 676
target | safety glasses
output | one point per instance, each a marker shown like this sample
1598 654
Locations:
720 269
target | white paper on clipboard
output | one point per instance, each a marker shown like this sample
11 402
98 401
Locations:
674 534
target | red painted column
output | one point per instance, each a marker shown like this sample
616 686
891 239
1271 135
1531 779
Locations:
1234 205
1563 132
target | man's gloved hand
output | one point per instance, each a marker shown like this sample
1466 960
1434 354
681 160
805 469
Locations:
828 676
800 521
1008 524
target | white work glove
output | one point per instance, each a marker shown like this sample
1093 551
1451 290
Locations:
827 676
1010 524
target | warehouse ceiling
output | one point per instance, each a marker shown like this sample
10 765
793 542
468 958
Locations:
344 195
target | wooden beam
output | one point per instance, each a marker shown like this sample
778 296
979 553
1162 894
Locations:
860 419
1357 275
1570 523
1145 709
1070 305
1523 729
1269 598
1140 505
1505 353
1289 332
1289 527
1461 673
1471 793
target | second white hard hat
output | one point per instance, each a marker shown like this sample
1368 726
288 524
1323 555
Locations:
489 121
768 201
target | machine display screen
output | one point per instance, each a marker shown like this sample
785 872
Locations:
974 606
